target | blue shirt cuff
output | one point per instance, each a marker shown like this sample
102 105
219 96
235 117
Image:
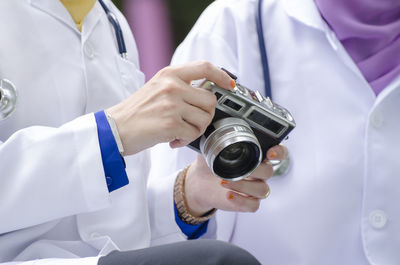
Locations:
113 162
191 231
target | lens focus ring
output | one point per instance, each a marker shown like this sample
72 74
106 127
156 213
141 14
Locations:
232 151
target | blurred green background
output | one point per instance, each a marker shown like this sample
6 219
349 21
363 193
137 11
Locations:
183 14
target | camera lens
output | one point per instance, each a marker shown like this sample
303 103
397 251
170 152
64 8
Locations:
233 153
237 160
231 149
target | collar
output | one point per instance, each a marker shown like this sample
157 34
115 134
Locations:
56 9
306 12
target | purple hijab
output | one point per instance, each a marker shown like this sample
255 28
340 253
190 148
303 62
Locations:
370 32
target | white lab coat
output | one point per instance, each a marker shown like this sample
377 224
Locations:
54 201
339 204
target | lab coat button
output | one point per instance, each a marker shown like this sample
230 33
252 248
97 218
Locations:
108 180
377 120
378 219
88 50
94 235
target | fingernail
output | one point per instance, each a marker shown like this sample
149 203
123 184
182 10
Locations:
233 83
231 197
224 182
272 154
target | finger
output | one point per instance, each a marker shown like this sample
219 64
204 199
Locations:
239 203
194 123
202 69
277 152
264 171
201 98
198 97
184 134
197 117
250 187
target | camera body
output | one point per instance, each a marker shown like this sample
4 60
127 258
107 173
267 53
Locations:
244 127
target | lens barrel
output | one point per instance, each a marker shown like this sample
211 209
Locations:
232 151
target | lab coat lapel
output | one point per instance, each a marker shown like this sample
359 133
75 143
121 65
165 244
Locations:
56 9
92 19
305 12
393 87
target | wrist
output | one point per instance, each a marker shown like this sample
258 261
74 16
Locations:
129 137
191 213
194 198
114 130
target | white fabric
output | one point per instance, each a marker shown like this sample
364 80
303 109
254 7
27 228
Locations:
339 202
54 201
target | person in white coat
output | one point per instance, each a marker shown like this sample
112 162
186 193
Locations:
66 197
338 204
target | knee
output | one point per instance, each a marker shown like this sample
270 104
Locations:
225 253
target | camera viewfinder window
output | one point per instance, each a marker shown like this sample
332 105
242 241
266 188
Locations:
232 105
265 122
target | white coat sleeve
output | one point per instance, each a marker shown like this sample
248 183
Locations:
49 173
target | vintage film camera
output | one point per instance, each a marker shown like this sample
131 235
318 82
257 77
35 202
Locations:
244 127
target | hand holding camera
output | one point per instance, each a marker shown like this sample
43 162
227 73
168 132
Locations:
238 146
167 108
204 191
244 127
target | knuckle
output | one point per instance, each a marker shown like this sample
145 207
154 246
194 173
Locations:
171 123
205 67
168 106
166 71
169 87
201 63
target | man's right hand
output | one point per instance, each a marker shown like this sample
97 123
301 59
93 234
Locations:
168 109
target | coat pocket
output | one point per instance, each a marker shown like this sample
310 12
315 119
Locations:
131 76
